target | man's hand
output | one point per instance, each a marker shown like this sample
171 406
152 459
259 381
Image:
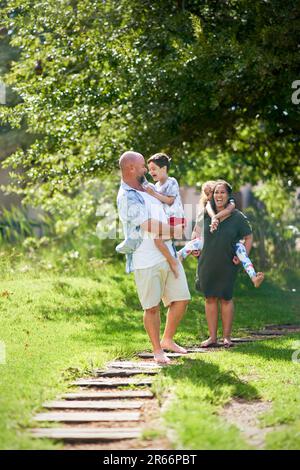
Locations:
235 260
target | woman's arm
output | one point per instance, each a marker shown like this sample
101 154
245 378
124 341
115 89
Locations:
225 212
165 199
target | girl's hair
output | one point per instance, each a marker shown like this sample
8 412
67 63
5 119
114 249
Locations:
161 160
203 198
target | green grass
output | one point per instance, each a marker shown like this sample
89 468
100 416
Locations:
60 320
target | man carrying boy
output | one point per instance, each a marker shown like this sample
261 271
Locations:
143 215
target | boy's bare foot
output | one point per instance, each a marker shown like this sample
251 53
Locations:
227 342
171 346
258 279
208 343
174 267
161 358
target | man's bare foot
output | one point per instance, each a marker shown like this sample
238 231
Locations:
161 358
258 279
171 346
208 343
174 267
227 342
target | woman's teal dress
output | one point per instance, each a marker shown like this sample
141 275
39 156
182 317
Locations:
216 272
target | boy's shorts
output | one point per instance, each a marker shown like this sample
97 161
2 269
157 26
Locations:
159 283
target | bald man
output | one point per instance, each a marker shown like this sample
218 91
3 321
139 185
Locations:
143 219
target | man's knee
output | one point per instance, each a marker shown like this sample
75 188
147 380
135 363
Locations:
152 310
182 303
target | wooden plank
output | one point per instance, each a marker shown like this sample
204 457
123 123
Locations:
267 333
243 340
205 350
110 383
120 394
134 365
93 405
87 434
289 326
124 373
148 355
84 417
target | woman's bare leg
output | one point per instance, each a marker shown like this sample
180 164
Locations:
227 310
211 311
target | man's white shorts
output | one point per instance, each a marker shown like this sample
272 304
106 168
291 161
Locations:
159 283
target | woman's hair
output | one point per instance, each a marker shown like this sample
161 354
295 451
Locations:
161 160
228 188
203 197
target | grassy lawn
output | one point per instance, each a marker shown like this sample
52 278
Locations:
60 323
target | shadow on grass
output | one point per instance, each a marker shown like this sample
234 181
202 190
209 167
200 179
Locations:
200 373
267 351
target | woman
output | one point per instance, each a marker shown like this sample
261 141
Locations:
217 265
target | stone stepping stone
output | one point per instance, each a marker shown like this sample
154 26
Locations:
87 434
123 373
134 365
110 383
93 405
108 395
83 417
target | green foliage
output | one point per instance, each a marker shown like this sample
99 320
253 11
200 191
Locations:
209 82
16 224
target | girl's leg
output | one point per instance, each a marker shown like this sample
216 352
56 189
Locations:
211 311
193 245
227 309
173 263
256 278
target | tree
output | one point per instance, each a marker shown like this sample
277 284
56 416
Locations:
209 82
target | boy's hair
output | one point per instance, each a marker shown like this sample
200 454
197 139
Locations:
161 160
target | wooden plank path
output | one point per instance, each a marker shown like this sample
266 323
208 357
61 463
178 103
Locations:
108 406
105 402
